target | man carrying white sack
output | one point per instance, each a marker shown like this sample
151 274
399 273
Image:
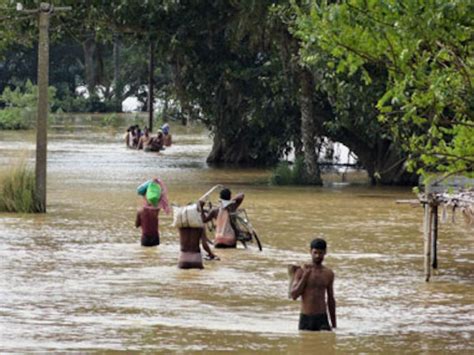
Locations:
189 238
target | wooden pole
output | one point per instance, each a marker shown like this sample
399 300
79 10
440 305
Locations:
434 235
42 118
117 80
44 11
427 240
151 69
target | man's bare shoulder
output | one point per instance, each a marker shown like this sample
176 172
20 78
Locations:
328 272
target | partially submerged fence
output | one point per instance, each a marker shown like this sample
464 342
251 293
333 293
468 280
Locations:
455 195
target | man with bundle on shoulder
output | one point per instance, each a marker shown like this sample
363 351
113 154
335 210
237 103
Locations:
313 282
190 239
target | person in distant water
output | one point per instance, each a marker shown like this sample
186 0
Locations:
147 216
225 233
313 282
189 240
167 139
136 136
129 136
156 143
144 139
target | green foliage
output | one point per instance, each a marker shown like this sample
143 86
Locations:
287 174
21 103
18 190
14 118
282 174
426 48
110 120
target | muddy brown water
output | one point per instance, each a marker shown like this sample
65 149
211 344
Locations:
76 278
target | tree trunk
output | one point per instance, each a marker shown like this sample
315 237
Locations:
230 144
89 47
186 108
164 113
383 160
226 150
308 131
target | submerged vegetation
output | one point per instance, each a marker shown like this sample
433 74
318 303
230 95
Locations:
289 174
18 191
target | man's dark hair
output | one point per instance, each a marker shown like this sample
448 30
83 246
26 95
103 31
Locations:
225 194
318 243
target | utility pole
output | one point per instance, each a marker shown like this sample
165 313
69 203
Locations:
42 119
151 69
44 11
117 79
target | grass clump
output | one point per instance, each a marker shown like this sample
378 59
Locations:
18 191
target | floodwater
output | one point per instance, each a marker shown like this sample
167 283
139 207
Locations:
77 279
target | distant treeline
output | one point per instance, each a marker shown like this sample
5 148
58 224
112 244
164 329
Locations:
390 80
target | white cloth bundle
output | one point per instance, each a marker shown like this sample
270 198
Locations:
187 216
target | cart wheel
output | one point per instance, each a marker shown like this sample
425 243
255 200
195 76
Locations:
258 240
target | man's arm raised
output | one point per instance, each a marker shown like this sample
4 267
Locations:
238 199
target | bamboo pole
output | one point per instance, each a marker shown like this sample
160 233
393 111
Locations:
427 240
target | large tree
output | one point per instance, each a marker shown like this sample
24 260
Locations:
426 48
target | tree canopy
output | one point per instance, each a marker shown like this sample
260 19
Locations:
392 80
426 49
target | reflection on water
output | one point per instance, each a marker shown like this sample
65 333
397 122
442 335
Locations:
77 278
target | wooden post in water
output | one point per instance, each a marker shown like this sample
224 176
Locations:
434 235
42 115
427 240
44 11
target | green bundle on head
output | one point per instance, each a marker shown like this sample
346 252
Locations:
153 193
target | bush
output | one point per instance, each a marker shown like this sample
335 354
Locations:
18 191
110 120
21 105
285 174
14 118
282 174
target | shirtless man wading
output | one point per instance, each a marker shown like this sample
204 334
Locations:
313 282
189 240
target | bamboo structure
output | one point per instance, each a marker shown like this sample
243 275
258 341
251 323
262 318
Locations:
462 201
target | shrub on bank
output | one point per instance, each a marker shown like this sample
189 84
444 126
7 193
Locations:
287 174
20 106
18 191
14 118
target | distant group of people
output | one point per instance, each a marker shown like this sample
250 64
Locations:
313 282
135 138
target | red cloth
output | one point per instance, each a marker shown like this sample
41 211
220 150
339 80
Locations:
148 216
163 203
